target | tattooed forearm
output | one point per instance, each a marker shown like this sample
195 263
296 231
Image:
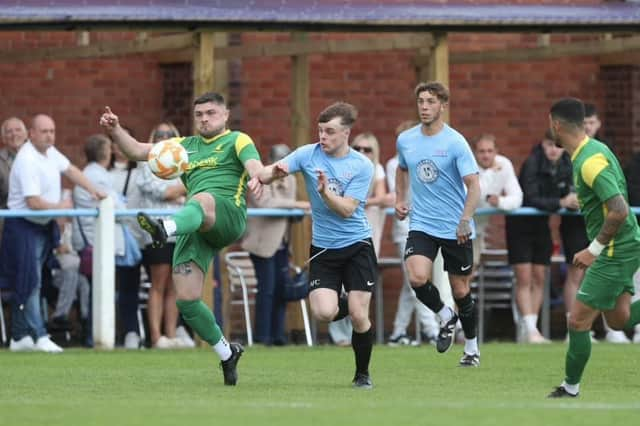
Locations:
617 211
182 269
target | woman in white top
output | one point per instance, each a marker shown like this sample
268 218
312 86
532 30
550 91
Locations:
378 197
156 193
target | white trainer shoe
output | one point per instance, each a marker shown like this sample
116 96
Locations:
132 340
164 342
183 338
45 344
617 336
537 338
636 337
25 344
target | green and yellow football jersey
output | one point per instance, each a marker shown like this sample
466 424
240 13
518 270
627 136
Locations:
597 177
216 165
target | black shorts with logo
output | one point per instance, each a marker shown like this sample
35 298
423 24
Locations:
458 258
354 266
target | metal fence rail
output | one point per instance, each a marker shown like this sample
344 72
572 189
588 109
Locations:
104 261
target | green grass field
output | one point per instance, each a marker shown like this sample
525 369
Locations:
311 386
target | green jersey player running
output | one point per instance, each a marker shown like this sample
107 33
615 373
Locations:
220 164
614 253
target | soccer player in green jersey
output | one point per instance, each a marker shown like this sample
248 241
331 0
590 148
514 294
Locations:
614 253
221 162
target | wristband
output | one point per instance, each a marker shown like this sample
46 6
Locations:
596 247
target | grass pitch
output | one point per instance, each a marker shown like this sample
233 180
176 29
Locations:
311 386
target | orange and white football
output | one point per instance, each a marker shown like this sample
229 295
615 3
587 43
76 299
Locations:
168 159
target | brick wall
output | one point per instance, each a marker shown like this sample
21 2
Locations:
177 93
74 93
510 100
621 87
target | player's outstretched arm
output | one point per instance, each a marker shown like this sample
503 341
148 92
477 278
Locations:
133 149
267 174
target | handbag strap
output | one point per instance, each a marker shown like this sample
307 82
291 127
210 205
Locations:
84 237
126 182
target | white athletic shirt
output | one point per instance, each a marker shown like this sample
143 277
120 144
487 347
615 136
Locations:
36 174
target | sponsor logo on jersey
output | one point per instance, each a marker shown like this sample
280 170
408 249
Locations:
335 186
427 171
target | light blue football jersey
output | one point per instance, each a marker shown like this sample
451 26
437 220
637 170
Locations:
348 176
436 166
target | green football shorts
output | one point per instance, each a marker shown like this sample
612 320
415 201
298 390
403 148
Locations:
606 279
200 247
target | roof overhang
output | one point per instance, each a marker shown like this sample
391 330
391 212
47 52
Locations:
307 15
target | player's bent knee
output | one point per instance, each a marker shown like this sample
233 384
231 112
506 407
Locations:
207 202
323 314
187 293
577 324
417 279
360 319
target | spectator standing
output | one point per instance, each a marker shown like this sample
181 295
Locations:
14 134
156 193
545 179
34 184
378 196
499 187
267 241
71 284
593 124
98 153
124 175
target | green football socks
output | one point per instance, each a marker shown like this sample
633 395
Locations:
577 355
189 218
201 320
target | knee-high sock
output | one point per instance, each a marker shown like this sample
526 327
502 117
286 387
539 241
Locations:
189 218
343 308
200 318
362 344
468 314
634 318
577 355
429 295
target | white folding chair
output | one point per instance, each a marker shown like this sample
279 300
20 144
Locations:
493 286
143 303
243 287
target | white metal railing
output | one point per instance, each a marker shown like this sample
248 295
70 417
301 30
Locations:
103 285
